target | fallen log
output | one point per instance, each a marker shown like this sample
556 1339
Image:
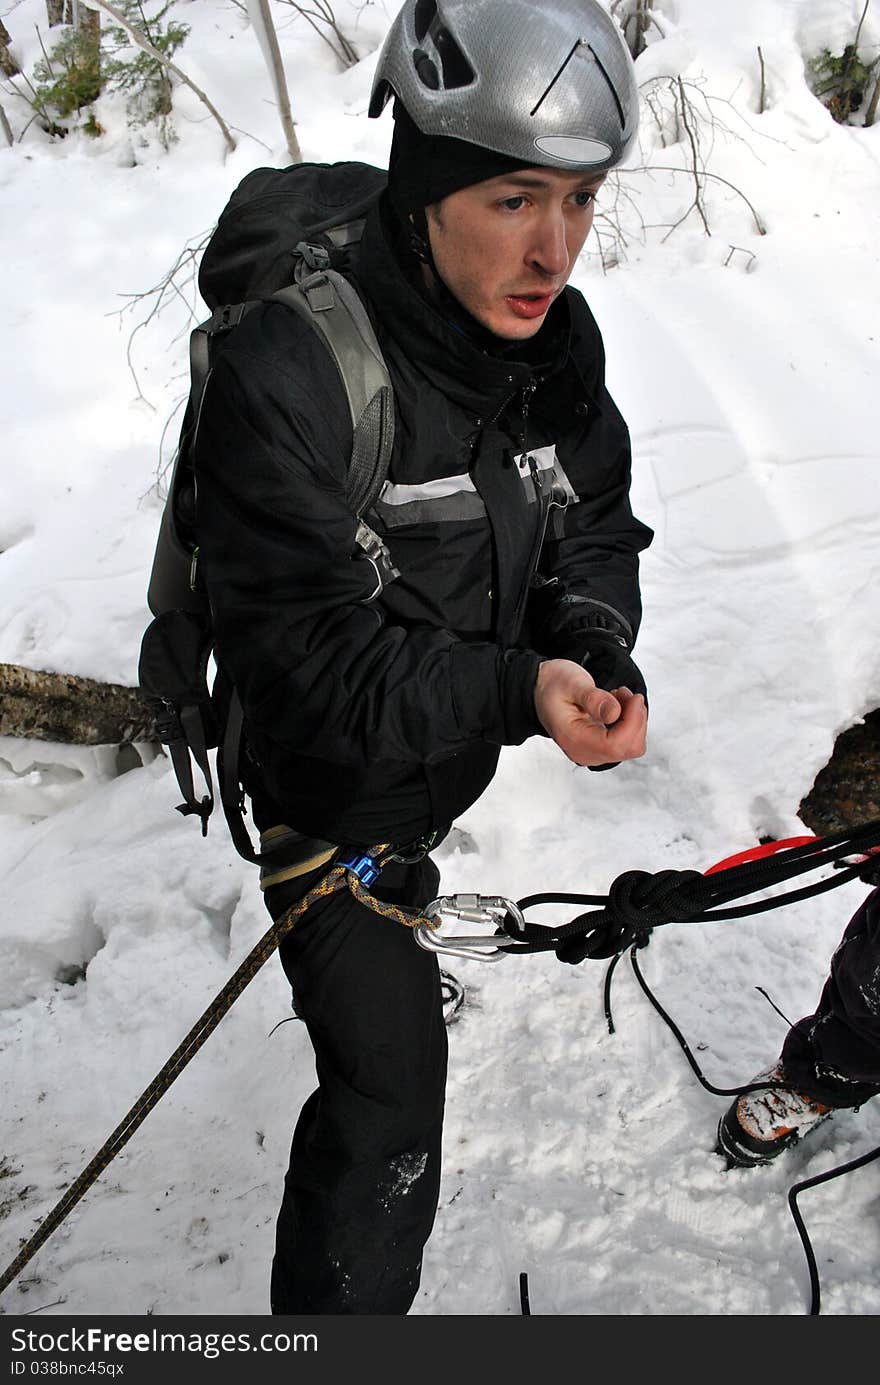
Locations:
76 711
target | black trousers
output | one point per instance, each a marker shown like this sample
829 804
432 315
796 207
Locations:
361 1192
834 1054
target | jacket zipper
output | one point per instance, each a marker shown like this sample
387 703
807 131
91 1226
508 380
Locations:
544 502
543 498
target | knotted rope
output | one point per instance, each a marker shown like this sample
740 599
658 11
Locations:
638 902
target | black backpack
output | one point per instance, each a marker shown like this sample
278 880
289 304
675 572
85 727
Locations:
285 235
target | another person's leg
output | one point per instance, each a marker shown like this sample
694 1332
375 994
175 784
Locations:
830 1060
835 1053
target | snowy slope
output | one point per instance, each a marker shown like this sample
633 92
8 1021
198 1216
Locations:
745 364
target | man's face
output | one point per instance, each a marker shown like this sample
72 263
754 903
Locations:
506 247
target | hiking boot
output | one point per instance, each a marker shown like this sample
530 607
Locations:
761 1125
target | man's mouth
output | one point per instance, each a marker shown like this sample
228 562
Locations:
529 305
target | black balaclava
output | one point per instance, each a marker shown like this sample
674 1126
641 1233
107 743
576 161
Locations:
423 169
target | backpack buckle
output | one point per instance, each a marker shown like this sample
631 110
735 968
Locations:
315 255
319 292
224 318
376 553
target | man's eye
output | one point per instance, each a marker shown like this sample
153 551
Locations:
513 204
584 198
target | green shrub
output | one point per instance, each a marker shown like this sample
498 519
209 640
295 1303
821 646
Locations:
143 77
840 81
82 64
69 77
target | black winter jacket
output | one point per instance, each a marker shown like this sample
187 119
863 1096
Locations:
377 721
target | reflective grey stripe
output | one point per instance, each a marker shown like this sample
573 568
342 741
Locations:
448 499
451 508
428 490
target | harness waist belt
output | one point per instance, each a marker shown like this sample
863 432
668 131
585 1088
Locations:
293 854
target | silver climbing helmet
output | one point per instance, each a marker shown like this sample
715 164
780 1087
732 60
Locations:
549 82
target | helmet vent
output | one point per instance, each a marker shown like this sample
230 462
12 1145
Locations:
425 11
426 69
457 71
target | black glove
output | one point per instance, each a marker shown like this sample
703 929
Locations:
595 635
611 667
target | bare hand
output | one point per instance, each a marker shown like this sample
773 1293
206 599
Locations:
590 726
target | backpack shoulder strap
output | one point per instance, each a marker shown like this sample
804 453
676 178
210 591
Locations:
329 302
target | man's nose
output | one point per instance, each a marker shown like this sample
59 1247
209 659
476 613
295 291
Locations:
549 250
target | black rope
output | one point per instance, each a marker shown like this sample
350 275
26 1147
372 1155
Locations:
637 901
606 992
772 1003
525 1306
837 1172
685 1047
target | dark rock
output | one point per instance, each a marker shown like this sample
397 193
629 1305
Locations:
847 791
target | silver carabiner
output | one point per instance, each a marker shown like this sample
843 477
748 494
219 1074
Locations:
469 908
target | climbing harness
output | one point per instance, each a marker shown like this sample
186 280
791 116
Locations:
622 920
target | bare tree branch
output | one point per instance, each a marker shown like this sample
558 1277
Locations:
695 155
750 255
851 51
855 42
670 168
31 98
5 126
48 61
261 19
164 293
325 16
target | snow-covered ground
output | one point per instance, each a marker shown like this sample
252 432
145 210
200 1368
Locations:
746 365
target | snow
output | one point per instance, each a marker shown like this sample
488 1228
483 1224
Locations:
745 364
